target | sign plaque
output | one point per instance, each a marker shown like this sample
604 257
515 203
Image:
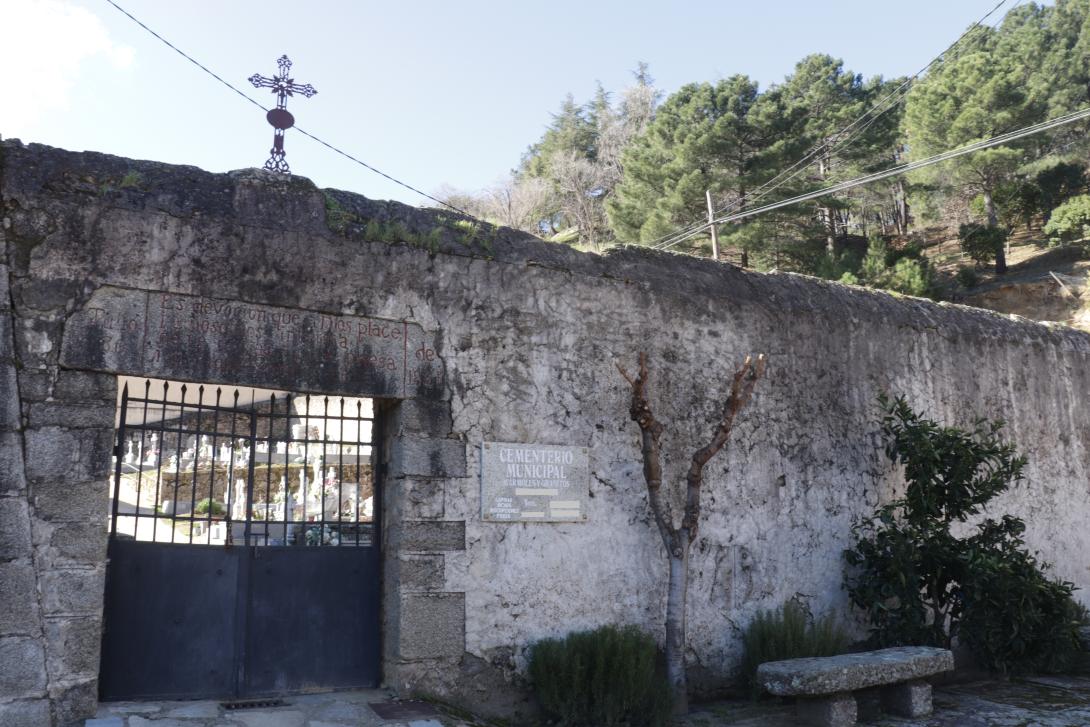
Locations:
533 482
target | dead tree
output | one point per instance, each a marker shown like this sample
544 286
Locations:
678 539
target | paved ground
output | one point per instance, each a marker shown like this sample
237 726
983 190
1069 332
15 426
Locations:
1036 702
336 709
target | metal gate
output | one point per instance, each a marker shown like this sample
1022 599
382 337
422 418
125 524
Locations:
243 550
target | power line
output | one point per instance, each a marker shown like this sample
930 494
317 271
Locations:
900 92
911 166
324 143
837 140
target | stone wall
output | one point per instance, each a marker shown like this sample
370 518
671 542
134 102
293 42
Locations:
524 338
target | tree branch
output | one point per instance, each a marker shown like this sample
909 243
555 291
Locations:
745 378
651 432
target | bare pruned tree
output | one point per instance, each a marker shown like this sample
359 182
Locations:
678 538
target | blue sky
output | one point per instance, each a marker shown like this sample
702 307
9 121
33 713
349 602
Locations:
433 93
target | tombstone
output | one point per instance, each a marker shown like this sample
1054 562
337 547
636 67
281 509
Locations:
238 506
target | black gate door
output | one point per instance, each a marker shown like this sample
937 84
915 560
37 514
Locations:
243 554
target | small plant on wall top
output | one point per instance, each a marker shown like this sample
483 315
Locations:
918 583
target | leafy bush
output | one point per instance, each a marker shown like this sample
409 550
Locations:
1070 222
908 276
787 633
904 271
609 676
967 277
919 584
981 242
207 504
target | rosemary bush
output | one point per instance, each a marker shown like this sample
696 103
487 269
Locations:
609 676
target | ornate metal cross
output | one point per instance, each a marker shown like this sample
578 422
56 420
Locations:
280 118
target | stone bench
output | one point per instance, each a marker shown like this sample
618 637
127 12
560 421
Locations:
834 691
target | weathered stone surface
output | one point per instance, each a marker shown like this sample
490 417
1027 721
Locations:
29 713
71 592
9 397
44 294
85 386
74 544
5 290
105 722
423 416
910 699
72 647
37 341
12 473
200 710
433 535
848 672
432 625
837 710
7 342
69 500
421 573
18 600
264 718
35 384
71 416
22 667
421 498
416 457
73 701
76 455
191 337
14 529
528 334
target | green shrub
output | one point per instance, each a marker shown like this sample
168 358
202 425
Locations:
918 584
967 277
207 504
1070 222
981 242
909 276
787 633
609 676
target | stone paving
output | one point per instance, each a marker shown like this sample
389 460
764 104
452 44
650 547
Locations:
1032 702
334 709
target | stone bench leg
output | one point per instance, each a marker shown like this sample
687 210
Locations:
909 699
835 710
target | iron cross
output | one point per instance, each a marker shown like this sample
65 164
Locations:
280 118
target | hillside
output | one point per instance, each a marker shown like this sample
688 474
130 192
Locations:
1044 284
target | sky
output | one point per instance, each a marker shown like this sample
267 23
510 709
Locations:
436 94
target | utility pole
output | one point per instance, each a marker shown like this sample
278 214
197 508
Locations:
711 223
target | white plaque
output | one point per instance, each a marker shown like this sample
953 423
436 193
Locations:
533 482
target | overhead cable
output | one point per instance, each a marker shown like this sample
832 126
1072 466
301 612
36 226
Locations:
909 166
838 140
324 143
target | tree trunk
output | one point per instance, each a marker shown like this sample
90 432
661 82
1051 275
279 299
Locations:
678 540
993 221
902 208
675 627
